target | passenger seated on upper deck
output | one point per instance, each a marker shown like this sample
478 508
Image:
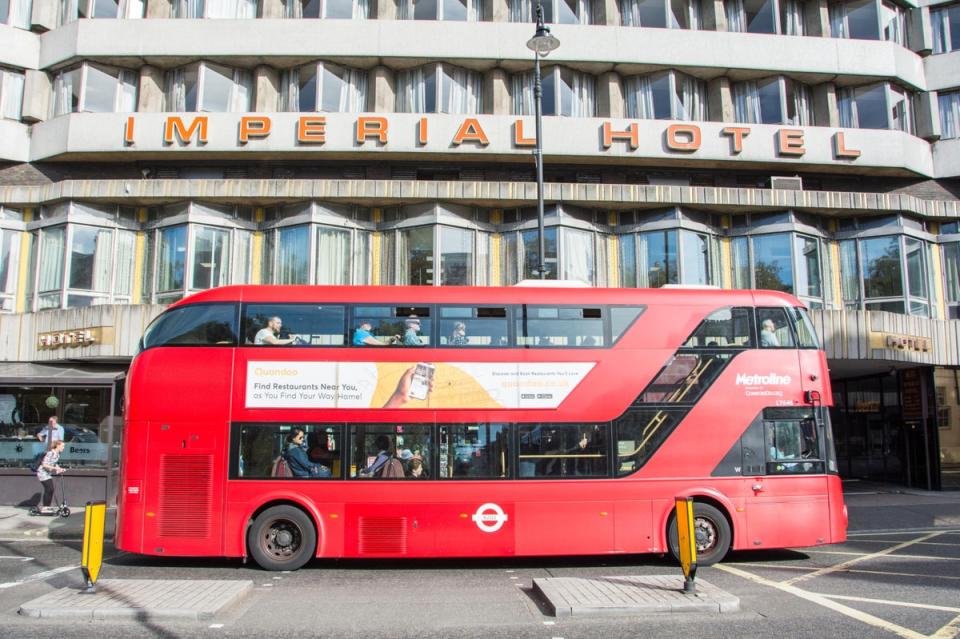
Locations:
270 334
410 336
364 337
459 335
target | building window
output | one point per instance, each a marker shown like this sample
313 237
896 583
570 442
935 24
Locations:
877 106
889 273
868 20
11 93
788 262
949 114
459 10
83 265
209 87
439 88
946 28
93 88
663 14
330 9
554 11
324 87
334 252
670 95
460 256
671 256
229 9
9 268
565 92
569 254
16 13
778 100
951 275
192 256
71 10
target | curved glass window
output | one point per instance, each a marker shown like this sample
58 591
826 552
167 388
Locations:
94 88
876 106
777 100
324 87
565 92
209 87
950 111
673 256
16 13
946 28
663 14
670 95
9 268
11 93
788 262
342 9
890 273
226 9
458 10
194 325
71 10
439 88
554 11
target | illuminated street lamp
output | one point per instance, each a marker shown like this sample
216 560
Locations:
542 43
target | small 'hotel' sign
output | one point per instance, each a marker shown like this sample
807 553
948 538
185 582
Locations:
76 337
904 343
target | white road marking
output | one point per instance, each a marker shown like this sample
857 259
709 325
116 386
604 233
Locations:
887 602
549 623
853 613
919 543
843 565
216 625
858 571
867 555
949 631
16 557
40 576
908 531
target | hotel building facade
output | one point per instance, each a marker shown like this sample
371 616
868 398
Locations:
153 148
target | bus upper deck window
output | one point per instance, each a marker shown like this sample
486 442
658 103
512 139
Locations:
806 335
560 326
724 328
775 328
391 325
194 325
467 326
294 324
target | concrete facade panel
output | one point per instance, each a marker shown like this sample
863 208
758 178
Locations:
14 141
942 71
19 48
480 44
946 158
570 138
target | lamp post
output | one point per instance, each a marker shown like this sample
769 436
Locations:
542 43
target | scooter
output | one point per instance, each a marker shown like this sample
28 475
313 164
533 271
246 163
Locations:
60 509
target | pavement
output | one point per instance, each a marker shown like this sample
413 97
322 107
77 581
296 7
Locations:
896 576
16 523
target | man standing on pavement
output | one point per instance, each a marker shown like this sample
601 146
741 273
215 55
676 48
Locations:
51 433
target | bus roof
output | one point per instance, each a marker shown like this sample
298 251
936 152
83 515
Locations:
488 295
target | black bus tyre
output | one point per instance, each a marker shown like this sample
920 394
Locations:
282 538
712 531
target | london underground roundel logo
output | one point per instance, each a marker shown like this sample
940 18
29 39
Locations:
489 517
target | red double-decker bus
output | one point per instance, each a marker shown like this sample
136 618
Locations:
285 423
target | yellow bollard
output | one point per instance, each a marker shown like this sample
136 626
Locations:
93 528
687 538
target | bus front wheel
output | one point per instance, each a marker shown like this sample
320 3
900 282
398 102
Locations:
282 538
712 531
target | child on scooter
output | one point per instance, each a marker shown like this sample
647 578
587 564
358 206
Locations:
47 466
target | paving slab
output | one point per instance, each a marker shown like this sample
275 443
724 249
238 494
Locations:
578 596
184 599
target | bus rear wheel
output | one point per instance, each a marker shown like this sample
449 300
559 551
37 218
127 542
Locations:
282 538
712 531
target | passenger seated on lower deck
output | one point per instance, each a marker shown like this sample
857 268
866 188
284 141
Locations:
382 444
297 461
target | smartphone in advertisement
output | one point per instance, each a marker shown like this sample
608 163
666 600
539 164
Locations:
420 384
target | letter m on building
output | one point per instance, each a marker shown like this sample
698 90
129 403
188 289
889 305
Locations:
176 131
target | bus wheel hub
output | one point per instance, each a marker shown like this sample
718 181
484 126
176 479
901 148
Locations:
283 538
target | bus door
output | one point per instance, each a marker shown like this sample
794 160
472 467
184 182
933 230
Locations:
787 504
183 514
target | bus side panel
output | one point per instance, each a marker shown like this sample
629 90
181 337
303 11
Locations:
564 527
838 510
128 535
787 511
184 511
633 528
